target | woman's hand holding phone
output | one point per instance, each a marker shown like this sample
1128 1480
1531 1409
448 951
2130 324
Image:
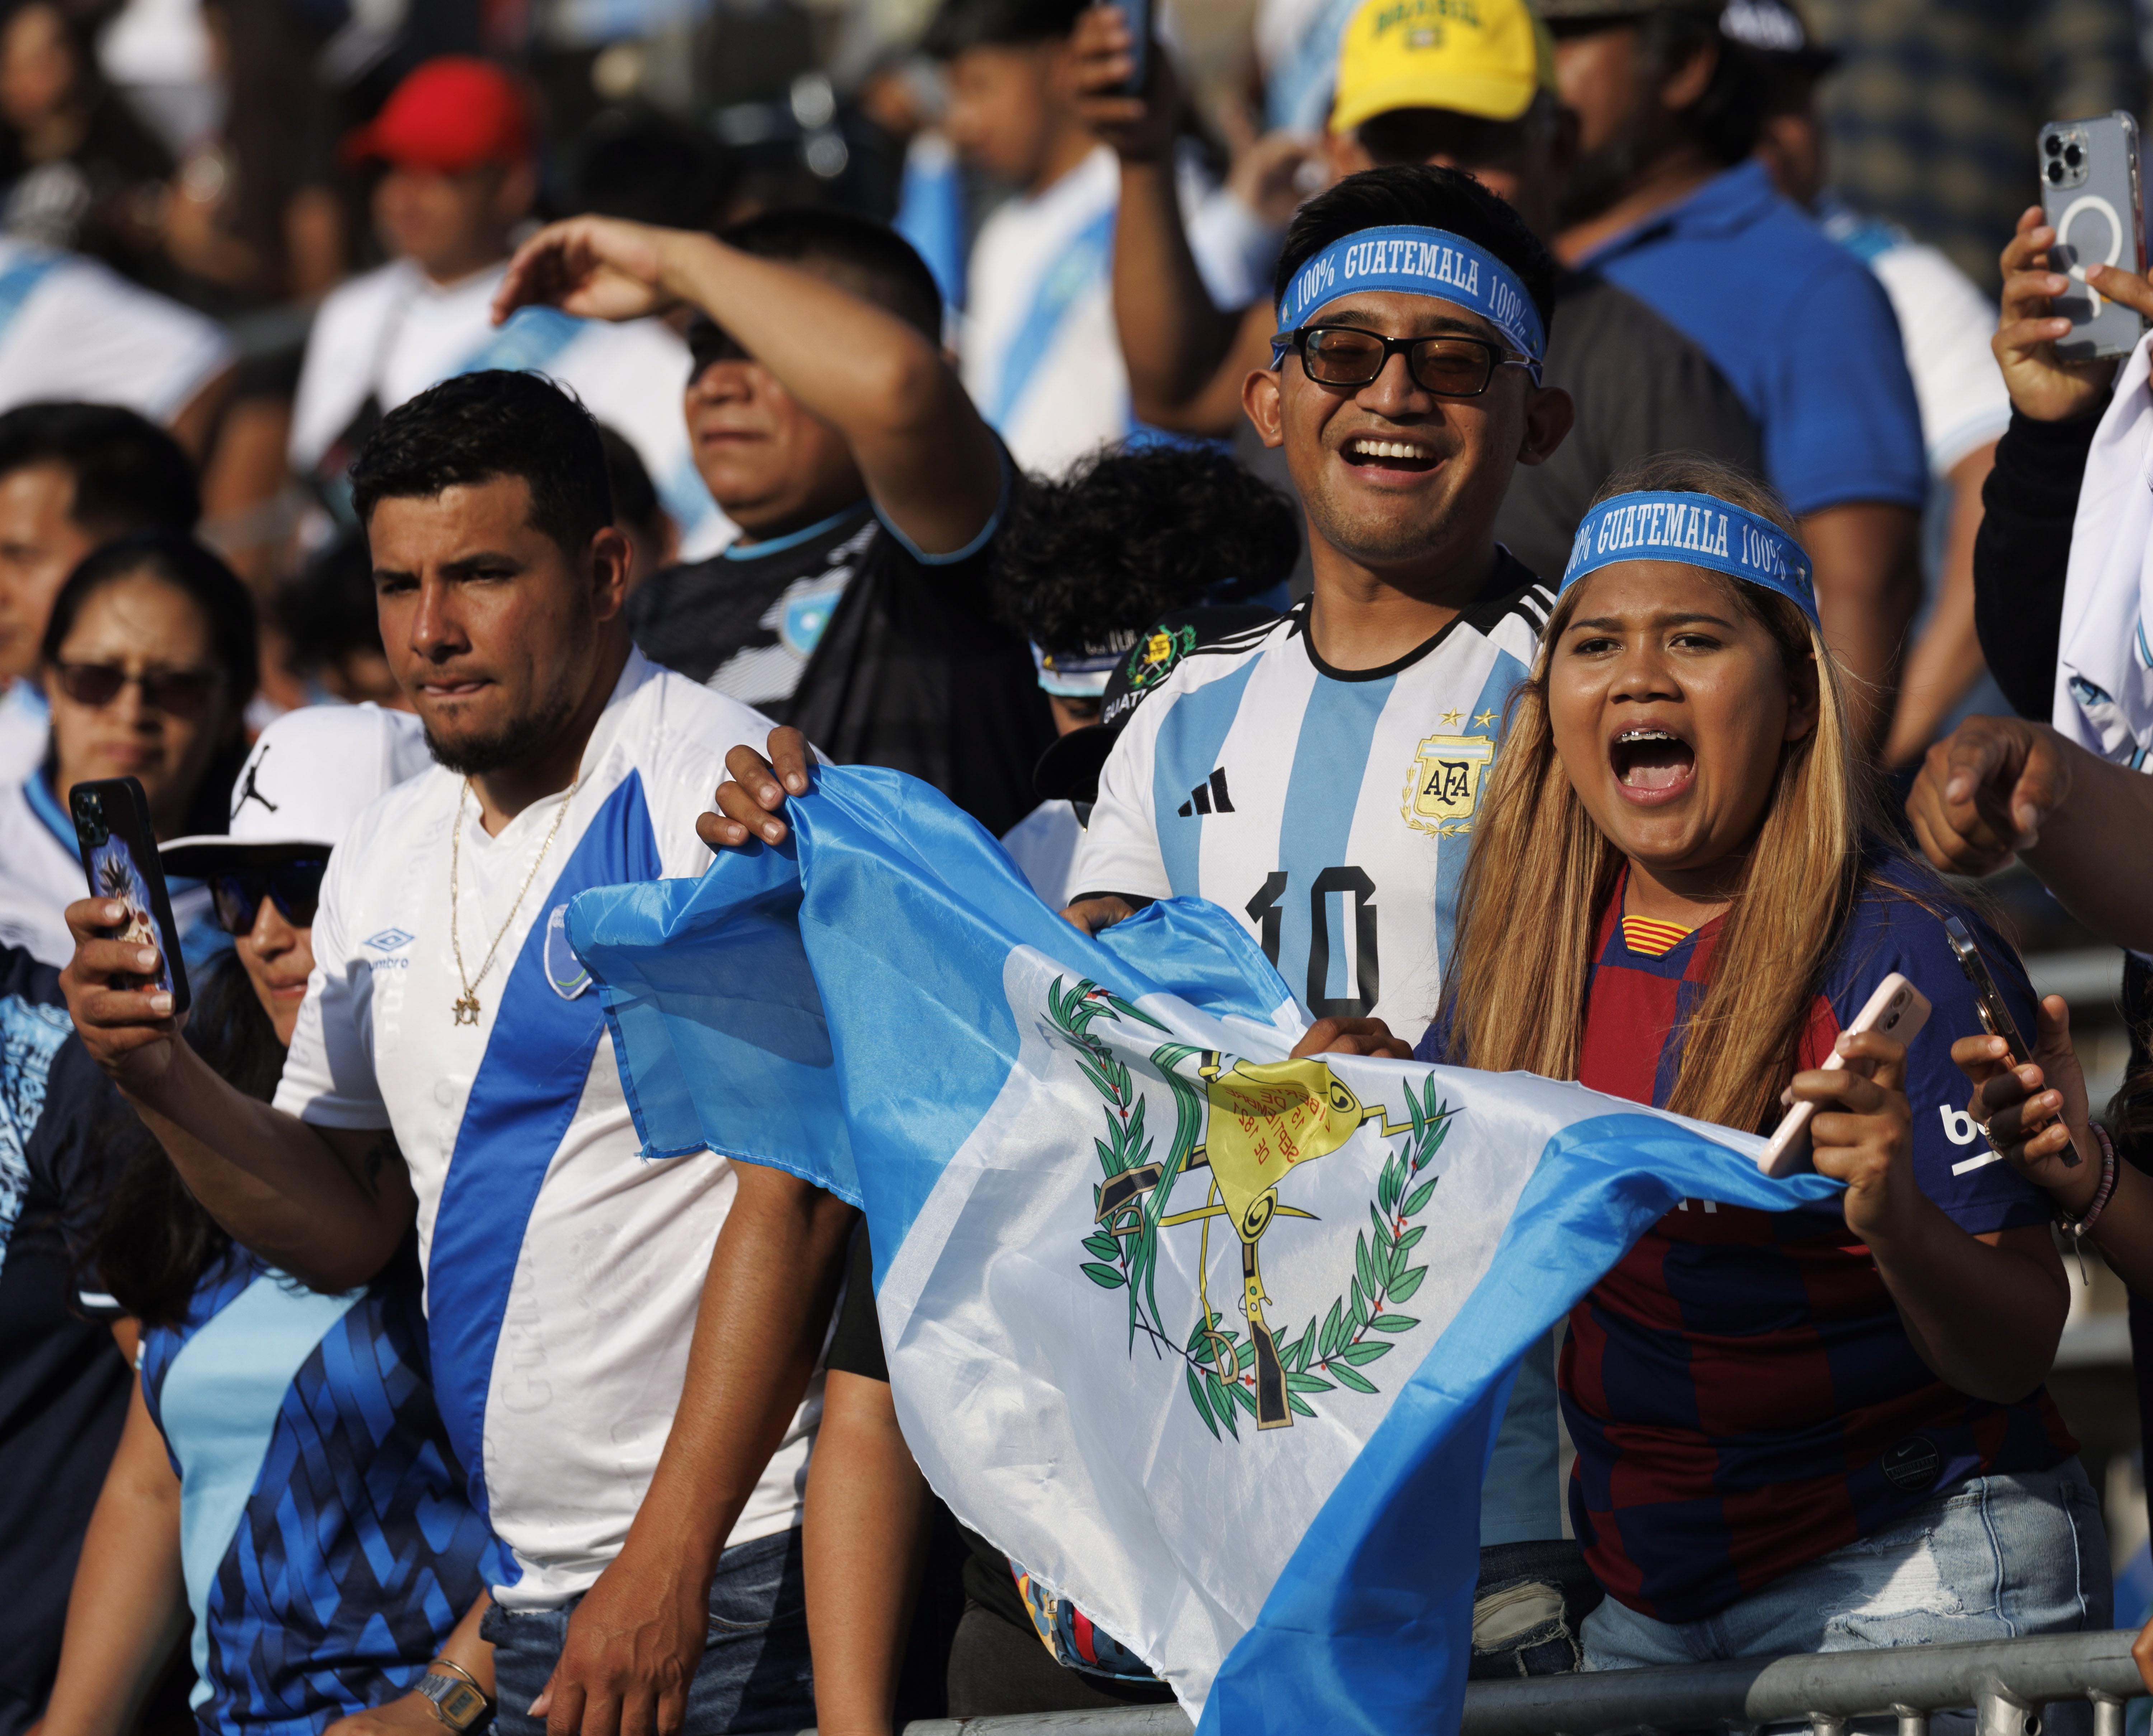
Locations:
2048 1095
123 1015
2044 387
1862 1131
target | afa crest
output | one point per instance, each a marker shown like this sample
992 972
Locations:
1242 1131
1444 785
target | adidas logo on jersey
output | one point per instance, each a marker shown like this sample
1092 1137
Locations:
1210 798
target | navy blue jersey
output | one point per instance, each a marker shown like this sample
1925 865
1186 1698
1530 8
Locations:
1743 1396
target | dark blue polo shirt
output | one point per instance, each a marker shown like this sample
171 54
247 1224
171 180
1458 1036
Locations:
1801 329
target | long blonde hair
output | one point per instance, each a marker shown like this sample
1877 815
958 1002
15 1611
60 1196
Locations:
1541 872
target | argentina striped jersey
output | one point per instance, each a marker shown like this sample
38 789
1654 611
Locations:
1329 810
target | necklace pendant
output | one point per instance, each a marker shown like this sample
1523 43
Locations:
467 1009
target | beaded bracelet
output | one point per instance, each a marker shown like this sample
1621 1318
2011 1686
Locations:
2077 1228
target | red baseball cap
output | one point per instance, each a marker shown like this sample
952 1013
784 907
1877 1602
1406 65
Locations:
450 115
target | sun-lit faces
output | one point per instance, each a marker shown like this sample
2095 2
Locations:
1670 705
1385 469
140 624
491 626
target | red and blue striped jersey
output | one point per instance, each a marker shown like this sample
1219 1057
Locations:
1743 1396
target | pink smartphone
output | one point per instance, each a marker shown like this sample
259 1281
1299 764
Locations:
1896 1009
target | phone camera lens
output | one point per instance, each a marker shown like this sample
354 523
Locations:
2074 155
2053 145
2056 172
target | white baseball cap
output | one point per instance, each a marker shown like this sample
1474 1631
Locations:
312 773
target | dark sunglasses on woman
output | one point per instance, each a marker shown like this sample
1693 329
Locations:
294 888
176 693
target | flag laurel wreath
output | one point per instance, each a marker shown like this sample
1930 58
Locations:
1218 1358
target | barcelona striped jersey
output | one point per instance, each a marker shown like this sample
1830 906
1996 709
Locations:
1743 1396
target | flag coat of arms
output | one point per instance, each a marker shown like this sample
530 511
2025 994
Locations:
1212 1341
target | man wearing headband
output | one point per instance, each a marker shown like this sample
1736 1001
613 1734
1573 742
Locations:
1417 81
1317 777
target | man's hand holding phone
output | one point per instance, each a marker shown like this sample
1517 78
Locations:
123 1015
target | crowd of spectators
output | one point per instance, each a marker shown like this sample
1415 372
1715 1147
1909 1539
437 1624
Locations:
448 451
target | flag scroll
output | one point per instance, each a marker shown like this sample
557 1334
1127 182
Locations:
1213 1340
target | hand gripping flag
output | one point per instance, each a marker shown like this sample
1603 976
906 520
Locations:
1211 1340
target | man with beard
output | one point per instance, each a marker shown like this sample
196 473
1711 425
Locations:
622 1348
1666 202
1316 775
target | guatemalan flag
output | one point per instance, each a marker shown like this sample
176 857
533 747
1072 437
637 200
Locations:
1211 1340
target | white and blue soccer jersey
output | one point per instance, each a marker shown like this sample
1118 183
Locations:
1329 810
563 1269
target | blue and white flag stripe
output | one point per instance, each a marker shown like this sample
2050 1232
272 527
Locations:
1212 1342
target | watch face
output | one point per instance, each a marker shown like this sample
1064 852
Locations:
463 1705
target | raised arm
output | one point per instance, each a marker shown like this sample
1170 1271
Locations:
1175 342
930 462
329 1206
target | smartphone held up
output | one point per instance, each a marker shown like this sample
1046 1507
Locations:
2090 197
1897 1009
118 851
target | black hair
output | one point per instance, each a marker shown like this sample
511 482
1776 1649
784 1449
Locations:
648 167
154 1243
962 24
869 259
480 426
1725 117
635 499
129 475
1431 198
328 610
217 591
1127 537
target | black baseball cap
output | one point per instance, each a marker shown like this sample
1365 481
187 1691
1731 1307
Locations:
1070 767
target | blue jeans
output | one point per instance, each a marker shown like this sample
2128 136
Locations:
1991 1558
755 1673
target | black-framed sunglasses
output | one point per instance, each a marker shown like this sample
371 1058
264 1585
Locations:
294 887
1449 366
176 693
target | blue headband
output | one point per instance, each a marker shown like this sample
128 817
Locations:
1418 262
1700 530
1079 675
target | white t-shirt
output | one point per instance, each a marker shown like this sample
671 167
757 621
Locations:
25 721
73 329
1041 354
1946 323
1330 811
1043 845
393 333
563 1269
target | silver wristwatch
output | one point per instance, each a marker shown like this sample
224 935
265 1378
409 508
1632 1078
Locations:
458 1700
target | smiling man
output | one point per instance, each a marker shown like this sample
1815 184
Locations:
451 1072
1317 777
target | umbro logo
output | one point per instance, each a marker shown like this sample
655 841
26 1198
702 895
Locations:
1208 798
388 940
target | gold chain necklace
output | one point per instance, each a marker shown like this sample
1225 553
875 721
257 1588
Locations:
466 1008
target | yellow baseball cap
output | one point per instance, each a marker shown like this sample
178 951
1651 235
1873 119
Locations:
1486 57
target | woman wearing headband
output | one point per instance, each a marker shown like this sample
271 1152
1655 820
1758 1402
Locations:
1810 1431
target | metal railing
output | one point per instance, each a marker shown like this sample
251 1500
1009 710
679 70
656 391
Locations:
2006 1683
